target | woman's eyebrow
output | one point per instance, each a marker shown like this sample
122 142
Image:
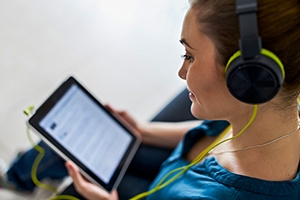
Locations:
183 41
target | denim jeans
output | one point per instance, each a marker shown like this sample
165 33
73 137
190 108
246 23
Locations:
51 166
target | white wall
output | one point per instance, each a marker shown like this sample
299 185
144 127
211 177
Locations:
126 52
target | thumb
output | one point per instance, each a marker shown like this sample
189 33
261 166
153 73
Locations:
86 188
75 174
71 168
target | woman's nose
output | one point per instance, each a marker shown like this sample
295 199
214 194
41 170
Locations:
182 72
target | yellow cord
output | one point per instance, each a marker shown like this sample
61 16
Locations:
161 183
183 169
36 163
64 197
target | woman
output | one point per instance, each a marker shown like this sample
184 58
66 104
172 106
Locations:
262 162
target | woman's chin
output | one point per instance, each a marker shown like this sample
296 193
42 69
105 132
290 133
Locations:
195 112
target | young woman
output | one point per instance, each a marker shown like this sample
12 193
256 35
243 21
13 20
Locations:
263 161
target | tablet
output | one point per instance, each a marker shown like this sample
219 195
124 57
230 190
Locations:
79 128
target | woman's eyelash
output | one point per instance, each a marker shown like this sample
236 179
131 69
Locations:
187 57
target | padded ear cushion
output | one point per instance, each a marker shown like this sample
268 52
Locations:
256 80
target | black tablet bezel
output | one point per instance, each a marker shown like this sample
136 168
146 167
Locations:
50 103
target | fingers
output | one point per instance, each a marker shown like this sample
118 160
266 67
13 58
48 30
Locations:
127 119
108 107
78 180
124 115
111 109
86 188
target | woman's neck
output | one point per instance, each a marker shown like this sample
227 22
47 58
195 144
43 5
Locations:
275 161
267 125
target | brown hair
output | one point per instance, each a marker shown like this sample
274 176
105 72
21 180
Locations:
279 28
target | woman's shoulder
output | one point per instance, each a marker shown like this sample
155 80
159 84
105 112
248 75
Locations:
220 180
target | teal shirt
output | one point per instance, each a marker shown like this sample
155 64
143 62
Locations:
209 180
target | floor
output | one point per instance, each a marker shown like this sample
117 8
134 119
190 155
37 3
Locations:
125 52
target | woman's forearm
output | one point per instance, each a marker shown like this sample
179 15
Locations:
165 134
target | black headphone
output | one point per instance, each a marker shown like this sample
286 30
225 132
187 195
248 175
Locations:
254 75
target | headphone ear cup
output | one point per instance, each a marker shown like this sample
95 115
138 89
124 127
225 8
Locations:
256 80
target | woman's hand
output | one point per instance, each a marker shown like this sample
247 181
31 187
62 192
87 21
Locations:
161 134
126 117
86 188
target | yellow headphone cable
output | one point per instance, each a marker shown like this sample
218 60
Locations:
161 184
37 162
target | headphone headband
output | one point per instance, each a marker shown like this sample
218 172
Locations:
250 42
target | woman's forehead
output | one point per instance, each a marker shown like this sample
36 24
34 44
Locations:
189 25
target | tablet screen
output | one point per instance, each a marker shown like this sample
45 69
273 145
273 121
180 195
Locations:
83 130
